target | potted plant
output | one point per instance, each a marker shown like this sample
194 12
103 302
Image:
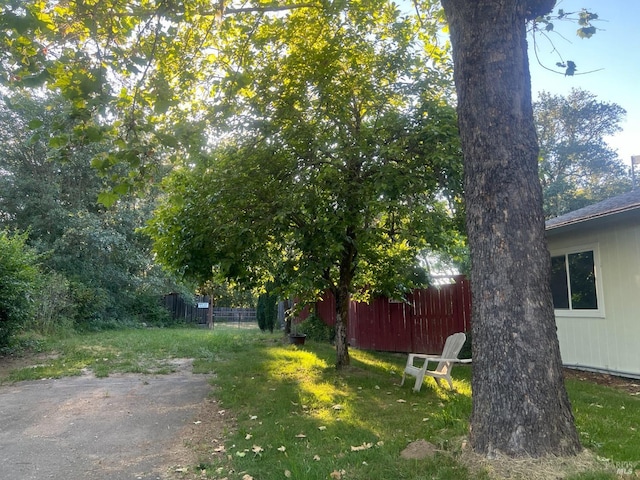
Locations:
296 337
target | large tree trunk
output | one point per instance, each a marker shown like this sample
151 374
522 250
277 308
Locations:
520 405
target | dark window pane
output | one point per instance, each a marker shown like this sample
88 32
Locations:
583 281
559 288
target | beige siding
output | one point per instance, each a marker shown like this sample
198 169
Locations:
611 343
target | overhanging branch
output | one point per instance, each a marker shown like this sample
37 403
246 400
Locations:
270 8
264 9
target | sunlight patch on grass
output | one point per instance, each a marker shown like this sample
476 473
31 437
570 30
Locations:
291 362
462 387
307 370
371 360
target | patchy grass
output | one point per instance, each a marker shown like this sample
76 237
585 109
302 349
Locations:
291 415
130 351
296 417
608 420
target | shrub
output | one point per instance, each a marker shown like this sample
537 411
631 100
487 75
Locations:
148 310
90 303
18 276
315 329
54 309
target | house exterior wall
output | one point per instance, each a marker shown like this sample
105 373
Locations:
609 342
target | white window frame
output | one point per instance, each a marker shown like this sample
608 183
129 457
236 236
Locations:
592 313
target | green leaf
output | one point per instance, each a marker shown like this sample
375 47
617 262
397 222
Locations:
93 133
59 141
586 32
108 198
100 162
122 189
35 138
35 123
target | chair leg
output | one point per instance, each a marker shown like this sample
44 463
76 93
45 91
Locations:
418 385
403 377
450 383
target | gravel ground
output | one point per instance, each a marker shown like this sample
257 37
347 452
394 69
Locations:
115 428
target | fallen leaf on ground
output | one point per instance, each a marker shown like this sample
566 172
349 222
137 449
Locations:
322 427
282 448
301 435
316 458
248 436
364 446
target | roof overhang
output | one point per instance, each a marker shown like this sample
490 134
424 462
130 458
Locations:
622 215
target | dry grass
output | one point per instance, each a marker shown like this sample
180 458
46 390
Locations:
547 468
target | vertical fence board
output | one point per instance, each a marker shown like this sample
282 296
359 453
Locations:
420 325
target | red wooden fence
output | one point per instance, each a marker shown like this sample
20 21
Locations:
420 325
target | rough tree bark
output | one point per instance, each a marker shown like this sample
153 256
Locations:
520 405
342 294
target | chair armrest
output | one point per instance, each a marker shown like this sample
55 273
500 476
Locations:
424 356
436 358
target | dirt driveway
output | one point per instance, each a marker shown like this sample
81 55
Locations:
117 428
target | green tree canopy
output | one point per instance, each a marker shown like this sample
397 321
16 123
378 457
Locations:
577 167
337 161
108 264
18 280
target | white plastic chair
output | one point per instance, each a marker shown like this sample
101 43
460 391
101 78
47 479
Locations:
445 360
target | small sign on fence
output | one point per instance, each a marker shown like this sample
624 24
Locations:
203 304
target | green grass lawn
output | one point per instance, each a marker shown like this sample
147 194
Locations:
296 417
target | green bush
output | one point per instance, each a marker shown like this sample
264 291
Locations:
148 310
315 329
18 277
54 310
90 302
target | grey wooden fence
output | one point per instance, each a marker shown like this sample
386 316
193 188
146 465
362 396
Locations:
196 311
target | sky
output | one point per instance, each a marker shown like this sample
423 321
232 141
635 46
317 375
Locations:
614 51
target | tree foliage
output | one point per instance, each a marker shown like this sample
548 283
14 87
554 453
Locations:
338 159
100 262
577 167
18 280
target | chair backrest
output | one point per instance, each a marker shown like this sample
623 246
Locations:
452 347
